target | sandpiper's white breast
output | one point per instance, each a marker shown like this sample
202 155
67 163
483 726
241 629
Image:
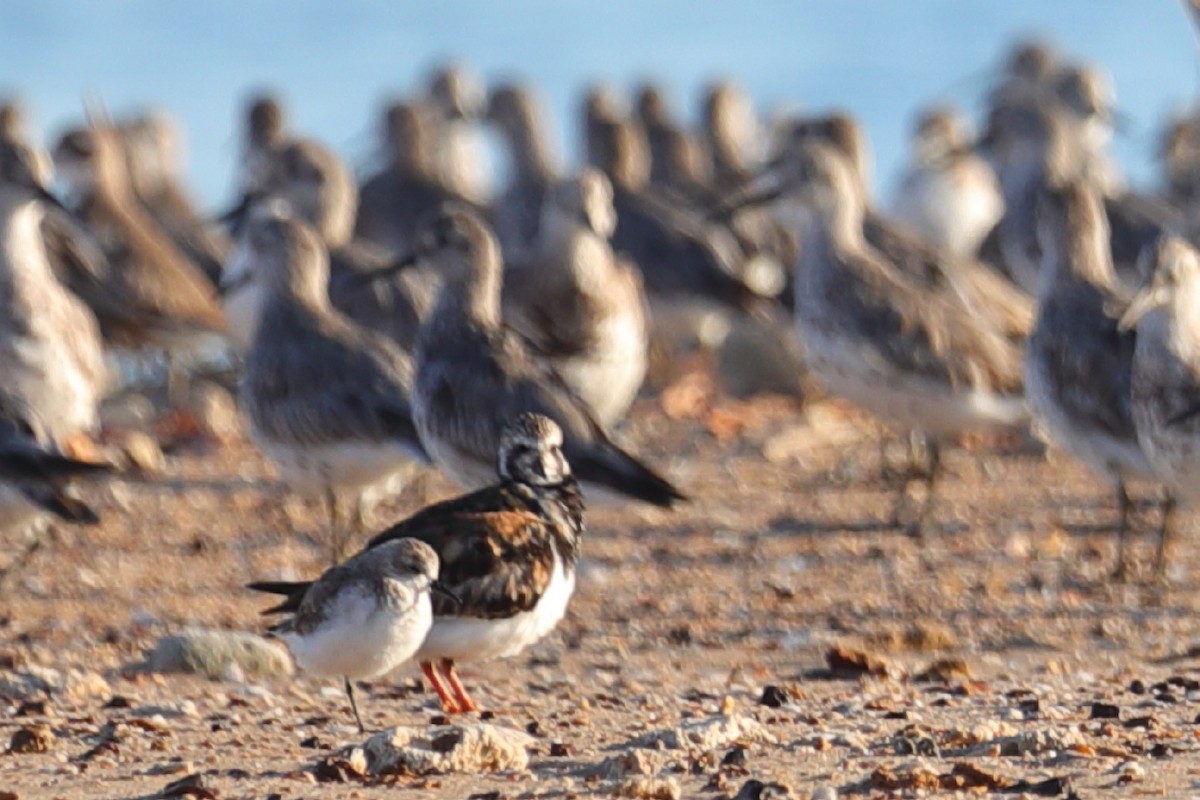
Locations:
361 637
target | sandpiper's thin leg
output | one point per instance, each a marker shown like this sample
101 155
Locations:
354 705
465 703
1121 573
1165 531
449 704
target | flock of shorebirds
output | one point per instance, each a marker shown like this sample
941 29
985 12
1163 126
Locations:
414 319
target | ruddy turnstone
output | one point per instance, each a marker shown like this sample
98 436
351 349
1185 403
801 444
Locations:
327 400
508 554
578 306
365 617
1166 370
949 196
474 374
1079 363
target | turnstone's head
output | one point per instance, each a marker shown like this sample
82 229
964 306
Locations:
531 451
406 557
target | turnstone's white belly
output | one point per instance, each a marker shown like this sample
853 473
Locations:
474 639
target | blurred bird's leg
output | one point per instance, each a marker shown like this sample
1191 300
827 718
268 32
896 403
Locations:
920 527
1165 532
449 704
354 705
337 533
176 380
1121 572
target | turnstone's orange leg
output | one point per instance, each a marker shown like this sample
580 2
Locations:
465 703
449 704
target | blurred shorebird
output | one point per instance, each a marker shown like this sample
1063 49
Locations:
516 113
913 357
964 281
1166 371
508 554
365 617
680 253
50 351
578 306
393 201
949 196
318 188
154 156
327 400
455 102
474 375
1079 363
152 294
35 476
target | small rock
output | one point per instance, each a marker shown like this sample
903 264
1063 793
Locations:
650 789
709 734
824 793
31 739
190 786
631 762
774 697
216 411
143 452
1105 711
35 681
757 790
217 654
461 748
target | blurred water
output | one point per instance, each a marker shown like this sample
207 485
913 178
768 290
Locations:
335 62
